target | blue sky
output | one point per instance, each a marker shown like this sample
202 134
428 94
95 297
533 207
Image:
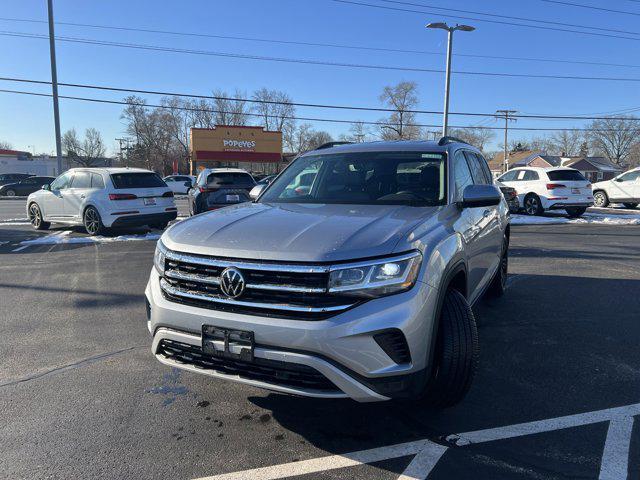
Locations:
27 121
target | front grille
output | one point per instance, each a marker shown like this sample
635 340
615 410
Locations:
271 289
269 371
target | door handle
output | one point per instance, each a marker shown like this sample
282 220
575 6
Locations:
82 195
486 213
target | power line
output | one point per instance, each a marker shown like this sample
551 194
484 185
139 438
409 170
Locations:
309 119
317 44
295 104
485 20
591 7
508 17
314 62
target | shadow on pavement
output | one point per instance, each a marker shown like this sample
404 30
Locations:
553 346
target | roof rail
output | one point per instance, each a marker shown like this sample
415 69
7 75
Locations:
331 145
447 140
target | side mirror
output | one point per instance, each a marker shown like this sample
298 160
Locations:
619 180
480 196
256 191
46 186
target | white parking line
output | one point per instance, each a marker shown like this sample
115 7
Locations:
615 457
427 455
614 463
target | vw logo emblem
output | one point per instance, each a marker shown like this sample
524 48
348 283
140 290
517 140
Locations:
232 282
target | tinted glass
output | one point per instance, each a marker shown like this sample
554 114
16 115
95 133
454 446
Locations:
81 180
230 179
97 181
62 181
630 176
29 181
567 175
461 174
530 175
395 178
137 180
508 177
479 176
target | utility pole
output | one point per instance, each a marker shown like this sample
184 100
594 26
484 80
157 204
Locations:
507 115
54 85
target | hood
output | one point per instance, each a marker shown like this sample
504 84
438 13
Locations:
299 232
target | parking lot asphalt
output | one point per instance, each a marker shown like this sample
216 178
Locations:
82 396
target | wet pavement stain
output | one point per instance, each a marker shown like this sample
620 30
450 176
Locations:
170 387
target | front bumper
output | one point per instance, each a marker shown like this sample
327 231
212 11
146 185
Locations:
341 348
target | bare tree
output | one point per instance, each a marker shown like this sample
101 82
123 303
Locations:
5 146
230 111
400 124
275 108
358 132
86 152
476 136
566 143
304 138
614 137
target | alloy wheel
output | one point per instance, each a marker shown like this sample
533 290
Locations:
34 215
599 199
531 206
11 193
91 221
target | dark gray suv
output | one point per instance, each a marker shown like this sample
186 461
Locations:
353 274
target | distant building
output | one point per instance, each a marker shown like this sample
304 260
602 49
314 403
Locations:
595 169
252 148
15 161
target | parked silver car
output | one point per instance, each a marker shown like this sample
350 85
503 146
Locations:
359 285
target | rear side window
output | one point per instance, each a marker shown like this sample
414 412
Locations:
509 176
136 180
229 178
81 180
530 175
566 175
97 181
475 164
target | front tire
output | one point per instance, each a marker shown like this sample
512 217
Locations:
160 225
456 355
600 199
10 193
533 205
576 212
630 205
92 221
36 218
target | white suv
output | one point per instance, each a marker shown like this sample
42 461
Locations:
99 198
624 188
541 189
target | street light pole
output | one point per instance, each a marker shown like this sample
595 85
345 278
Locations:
447 85
54 85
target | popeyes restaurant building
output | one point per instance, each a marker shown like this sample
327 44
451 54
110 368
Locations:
251 148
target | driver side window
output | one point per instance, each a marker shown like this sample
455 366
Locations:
62 182
461 174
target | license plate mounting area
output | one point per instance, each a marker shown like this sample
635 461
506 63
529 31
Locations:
228 343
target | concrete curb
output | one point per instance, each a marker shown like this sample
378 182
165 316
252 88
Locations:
13 198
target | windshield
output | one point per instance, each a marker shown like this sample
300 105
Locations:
395 178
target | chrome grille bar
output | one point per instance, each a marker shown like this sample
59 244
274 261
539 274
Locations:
179 292
245 265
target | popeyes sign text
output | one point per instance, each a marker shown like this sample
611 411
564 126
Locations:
239 145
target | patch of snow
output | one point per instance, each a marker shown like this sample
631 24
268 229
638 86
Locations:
64 238
595 218
14 223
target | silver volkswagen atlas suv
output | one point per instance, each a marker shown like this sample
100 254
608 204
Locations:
351 275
